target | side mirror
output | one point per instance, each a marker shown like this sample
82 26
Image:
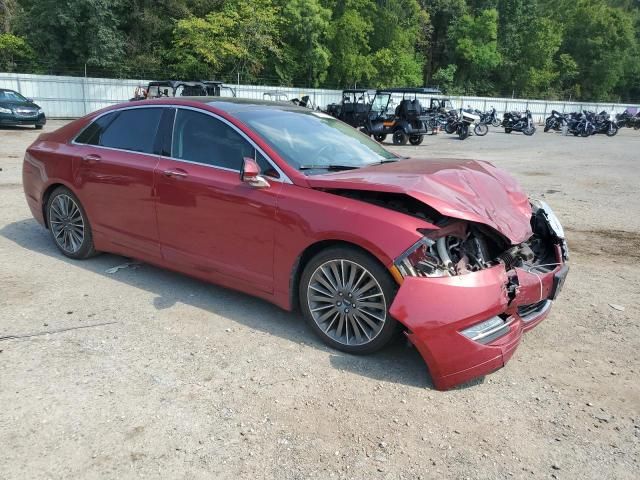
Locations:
250 174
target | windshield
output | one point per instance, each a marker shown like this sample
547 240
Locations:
11 96
314 139
380 102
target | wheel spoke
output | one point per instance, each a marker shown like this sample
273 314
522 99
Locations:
358 314
67 223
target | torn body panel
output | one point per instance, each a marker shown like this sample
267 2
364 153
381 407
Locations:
445 310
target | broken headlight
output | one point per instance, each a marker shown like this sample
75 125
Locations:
422 259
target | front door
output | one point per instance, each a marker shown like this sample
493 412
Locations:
210 223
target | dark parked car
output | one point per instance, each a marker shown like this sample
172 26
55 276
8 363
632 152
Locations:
18 110
299 208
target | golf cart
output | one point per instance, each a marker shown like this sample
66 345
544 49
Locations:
179 88
215 88
276 96
354 107
409 122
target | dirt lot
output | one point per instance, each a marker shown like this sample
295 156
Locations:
188 380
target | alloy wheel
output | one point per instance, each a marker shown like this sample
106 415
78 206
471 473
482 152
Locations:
346 302
66 223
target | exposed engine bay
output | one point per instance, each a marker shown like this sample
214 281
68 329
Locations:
458 247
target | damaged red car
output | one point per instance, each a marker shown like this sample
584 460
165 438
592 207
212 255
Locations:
300 209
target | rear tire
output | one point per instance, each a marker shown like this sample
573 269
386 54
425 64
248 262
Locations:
463 131
326 283
507 130
416 139
400 137
380 137
39 127
69 225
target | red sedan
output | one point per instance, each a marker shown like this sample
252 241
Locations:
300 209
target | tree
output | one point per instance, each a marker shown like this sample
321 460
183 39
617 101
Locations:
441 13
73 32
351 27
398 28
235 40
14 53
601 40
306 56
475 49
7 9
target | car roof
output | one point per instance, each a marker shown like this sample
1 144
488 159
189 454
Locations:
233 105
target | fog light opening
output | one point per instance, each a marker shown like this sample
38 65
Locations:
487 331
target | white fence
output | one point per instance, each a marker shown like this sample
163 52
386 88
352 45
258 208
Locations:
71 97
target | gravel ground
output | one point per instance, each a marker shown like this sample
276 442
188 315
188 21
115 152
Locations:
189 380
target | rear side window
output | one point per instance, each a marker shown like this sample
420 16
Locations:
133 130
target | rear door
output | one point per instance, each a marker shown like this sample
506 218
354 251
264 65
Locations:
115 177
210 222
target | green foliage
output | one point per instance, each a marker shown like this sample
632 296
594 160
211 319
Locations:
306 56
74 31
13 49
586 49
237 39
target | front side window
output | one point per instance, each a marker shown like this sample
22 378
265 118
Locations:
134 130
200 138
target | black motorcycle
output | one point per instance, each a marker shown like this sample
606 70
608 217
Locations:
628 119
555 121
519 122
604 124
490 117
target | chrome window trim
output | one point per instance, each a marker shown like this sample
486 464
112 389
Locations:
283 176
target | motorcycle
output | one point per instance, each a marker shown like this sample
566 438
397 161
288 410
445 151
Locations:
519 122
490 117
555 121
460 123
604 124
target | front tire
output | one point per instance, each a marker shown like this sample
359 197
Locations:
380 137
612 131
38 127
530 130
481 129
69 225
345 295
463 131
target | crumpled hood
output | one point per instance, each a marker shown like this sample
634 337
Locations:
466 189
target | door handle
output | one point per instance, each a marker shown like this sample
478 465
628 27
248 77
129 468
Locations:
91 158
178 172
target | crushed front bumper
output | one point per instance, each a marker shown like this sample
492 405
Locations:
436 311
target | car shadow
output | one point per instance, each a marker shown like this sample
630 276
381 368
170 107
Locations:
397 363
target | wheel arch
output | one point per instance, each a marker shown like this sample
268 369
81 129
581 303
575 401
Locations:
312 250
45 198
